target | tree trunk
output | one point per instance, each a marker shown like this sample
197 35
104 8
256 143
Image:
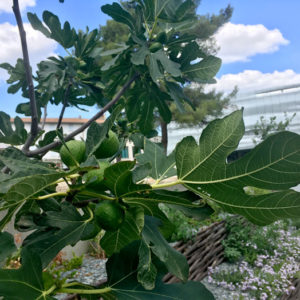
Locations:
164 134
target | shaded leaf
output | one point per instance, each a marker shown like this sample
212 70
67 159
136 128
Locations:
141 172
125 285
27 280
7 246
130 230
174 261
118 178
24 190
58 229
146 118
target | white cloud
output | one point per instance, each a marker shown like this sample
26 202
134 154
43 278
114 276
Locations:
6 5
39 47
239 42
252 80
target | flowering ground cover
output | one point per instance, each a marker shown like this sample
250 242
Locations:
265 260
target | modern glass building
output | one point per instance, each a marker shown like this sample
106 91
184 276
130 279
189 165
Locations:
267 103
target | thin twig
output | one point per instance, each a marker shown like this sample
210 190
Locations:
34 115
65 103
88 123
85 203
44 117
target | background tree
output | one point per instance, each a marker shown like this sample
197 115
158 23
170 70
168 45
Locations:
263 128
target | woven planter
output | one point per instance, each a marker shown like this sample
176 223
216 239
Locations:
203 251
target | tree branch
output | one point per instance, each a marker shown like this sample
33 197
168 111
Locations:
34 115
47 148
64 105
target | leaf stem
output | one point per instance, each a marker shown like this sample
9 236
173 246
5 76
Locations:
49 291
85 291
91 216
51 195
69 177
101 196
164 185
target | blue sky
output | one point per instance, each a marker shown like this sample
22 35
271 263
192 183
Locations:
260 46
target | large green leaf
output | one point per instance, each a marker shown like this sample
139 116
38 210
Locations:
162 166
7 134
118 178
174 261
26 281
7 246
130 230
272 165
202 71
58 229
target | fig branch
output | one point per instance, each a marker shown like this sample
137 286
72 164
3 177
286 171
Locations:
47 148
34 114
65 103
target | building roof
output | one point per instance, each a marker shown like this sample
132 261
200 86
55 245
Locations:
64 120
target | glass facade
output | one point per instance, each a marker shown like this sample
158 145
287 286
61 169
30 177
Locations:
267 103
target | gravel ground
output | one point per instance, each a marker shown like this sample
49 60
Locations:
91 272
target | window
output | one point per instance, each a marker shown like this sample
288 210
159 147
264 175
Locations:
125 153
